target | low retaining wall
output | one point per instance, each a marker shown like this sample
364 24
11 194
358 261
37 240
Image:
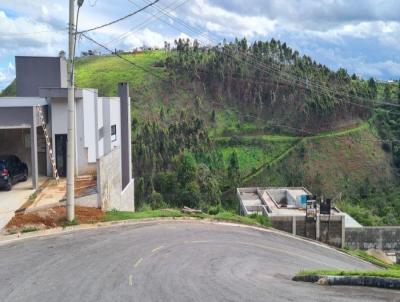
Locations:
381 238
330 231
381 282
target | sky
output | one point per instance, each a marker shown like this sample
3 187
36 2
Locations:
362 36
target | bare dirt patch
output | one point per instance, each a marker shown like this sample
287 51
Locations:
52 217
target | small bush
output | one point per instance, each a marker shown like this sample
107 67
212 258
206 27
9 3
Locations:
261 219
156 201
214 210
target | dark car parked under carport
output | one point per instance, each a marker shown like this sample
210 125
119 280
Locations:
12 170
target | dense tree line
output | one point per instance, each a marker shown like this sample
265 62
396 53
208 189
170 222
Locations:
176 165
266 75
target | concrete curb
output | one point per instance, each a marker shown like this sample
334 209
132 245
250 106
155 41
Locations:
6 239
379 282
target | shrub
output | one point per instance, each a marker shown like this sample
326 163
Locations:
156 201
261 219
214 210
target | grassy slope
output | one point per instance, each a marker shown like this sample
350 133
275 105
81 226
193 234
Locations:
389 271
255 220
10 90
331 162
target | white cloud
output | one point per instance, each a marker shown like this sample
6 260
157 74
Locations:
226 23
11 66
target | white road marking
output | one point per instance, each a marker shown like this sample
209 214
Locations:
157 249
130 280
138 262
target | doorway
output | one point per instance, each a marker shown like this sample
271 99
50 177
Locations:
61 154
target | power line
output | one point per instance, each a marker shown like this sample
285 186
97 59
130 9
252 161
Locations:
240 113
121 57
277 68
119 19
146 22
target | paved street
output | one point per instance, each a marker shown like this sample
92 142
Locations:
172 261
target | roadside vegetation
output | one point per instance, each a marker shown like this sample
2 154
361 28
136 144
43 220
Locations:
387 271
216 215
55 217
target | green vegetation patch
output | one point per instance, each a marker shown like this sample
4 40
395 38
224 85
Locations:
105 72
255 220
389 271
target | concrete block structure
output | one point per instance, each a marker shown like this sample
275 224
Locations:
286 211
102 123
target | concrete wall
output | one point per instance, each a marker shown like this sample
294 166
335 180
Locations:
88 111
108 114
109 184
382 238
329 231
35 72
16 117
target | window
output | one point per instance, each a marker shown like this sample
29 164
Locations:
113 133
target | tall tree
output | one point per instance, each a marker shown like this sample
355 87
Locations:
373 89
398 91
387 92
234 170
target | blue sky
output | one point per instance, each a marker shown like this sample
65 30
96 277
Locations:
361 36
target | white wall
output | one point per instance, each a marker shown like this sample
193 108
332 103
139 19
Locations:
89 103
59 118
85 124
100 125
115 118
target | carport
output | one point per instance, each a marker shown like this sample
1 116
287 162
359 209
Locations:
19 130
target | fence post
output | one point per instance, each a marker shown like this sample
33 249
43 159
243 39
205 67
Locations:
318 227
343 232
294 224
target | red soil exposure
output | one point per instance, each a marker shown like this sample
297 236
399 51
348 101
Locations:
54 217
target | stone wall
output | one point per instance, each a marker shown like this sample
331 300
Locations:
382 238
330 231
109 184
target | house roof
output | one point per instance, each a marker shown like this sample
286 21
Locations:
22 102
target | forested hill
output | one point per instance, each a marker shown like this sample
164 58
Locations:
208 119
276 83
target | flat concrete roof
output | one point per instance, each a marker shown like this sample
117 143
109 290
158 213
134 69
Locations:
55 92
22 101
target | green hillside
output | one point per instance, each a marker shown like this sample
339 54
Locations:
244 145
206 121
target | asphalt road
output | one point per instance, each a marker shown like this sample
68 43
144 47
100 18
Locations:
172 261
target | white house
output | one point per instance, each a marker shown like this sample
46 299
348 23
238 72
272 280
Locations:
102 123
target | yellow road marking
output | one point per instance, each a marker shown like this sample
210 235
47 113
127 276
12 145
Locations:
138 262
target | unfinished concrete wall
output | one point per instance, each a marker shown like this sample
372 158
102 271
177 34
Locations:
35 72
109 184
382 238
330 231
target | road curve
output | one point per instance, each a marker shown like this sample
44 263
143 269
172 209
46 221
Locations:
172 261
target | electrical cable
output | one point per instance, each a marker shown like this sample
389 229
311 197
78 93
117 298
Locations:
277 68
119 19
